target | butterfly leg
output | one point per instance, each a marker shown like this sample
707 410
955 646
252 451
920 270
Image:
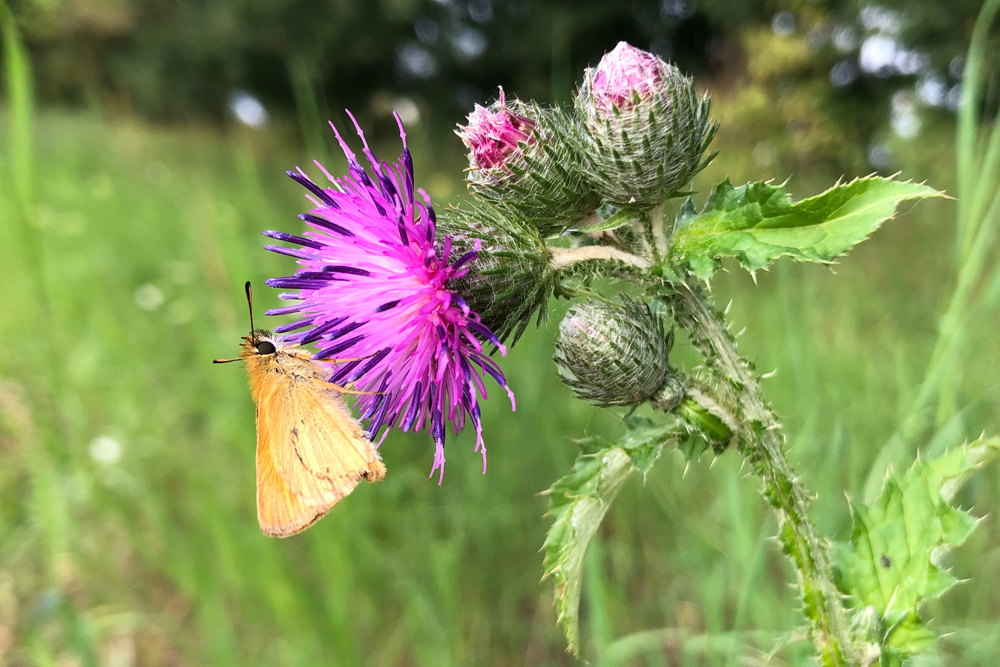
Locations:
308 357
345 390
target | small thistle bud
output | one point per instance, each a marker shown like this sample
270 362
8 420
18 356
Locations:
646 128
612 354
625 78
520 160
510 280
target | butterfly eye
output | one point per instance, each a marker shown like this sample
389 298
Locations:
266 347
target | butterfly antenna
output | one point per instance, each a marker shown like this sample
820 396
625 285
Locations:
250 304
225 361
250 337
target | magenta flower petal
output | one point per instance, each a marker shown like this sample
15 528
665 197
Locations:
373 288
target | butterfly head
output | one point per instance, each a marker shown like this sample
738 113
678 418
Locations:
260 342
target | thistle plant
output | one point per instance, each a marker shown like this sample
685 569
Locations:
563 200
604 192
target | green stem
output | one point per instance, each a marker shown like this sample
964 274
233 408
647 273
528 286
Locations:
565 257
762 444
699 415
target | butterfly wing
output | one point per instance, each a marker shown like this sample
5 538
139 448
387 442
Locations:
310 451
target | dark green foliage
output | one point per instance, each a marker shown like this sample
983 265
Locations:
182 59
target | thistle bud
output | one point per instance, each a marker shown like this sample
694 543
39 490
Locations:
510 279
646 128
612 354
520 160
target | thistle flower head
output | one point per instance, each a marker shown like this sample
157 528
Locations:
521 161
645 128
613 354
374 289
626 77
493 135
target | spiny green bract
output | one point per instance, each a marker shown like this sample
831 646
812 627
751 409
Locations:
757 223
894 559
510 280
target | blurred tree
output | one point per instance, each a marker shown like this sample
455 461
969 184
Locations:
842 82
809 73
167 59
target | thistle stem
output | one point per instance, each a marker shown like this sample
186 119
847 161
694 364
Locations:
762 444
564 257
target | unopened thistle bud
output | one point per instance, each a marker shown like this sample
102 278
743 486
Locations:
520 159
646 128
510 280
612 354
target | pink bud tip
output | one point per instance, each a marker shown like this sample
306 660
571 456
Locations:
493 134
623 72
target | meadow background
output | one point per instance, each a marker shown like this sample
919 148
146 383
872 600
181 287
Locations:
142 151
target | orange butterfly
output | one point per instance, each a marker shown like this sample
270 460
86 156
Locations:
311 452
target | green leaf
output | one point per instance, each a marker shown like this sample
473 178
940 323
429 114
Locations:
757 223
910 636
644 442
893 561
579 501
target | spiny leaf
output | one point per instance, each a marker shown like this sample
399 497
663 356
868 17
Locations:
693 447
893 562
757 223
910 636
644 441
579 501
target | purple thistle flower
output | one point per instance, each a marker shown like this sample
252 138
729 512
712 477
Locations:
373 288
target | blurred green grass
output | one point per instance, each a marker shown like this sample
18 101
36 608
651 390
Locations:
143 238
